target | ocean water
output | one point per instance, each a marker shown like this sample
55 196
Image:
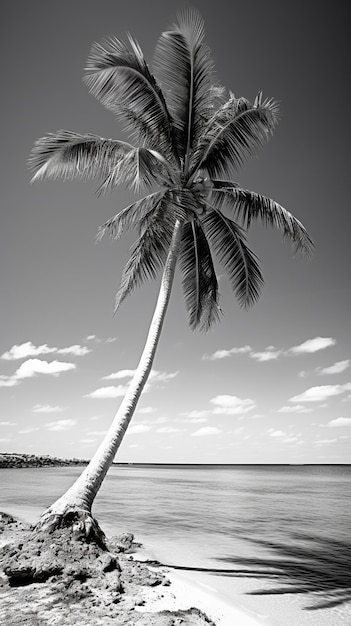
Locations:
274 540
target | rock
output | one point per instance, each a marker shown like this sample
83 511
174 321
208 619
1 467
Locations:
124 543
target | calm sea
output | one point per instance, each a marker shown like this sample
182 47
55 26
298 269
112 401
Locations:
272 539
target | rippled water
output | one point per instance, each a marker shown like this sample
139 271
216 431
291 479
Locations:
274 539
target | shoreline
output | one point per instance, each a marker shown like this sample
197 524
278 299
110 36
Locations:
186 590
152 595
186 593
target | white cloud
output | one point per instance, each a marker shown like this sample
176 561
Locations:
37 366
8 424
111 339
119 375
8 381
90 338
30 368
61 425
324 442
298 408
196 413
5 439
337 368
231 405
154 376
222 354
290 440
196 416
108 392
137 429
269 354
320 393
87 441
146 409
162 377
46 408
206 431
27 349
313 345
340 422
277 433
76 350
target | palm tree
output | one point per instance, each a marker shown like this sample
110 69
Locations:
189 136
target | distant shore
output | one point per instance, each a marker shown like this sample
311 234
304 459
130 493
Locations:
13 460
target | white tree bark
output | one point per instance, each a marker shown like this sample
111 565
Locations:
82 493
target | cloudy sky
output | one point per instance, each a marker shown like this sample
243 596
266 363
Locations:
268 385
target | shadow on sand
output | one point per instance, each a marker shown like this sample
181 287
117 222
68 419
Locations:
306 565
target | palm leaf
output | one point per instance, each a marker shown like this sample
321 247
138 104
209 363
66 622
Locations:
184 66
234 135
199 277
223 184
250 206
240 263
139 168
119 77
71 155
130 216
148 256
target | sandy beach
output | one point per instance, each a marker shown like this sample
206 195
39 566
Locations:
186 591
184 594
96 587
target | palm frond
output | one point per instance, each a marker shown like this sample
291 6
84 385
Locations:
131 216
119 77
184 66
233 135
68 155
148 256
250 207
199 277
139 168
229 243
223 184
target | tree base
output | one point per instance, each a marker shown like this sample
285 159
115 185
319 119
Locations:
71 545
80 522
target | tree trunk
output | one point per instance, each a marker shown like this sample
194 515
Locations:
74 507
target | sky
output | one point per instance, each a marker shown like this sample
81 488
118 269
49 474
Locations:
268 385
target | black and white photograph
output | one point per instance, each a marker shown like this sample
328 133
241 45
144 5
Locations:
175 346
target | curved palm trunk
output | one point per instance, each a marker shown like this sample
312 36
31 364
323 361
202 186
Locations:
81 495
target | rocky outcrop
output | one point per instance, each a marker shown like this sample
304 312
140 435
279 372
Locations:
60 578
